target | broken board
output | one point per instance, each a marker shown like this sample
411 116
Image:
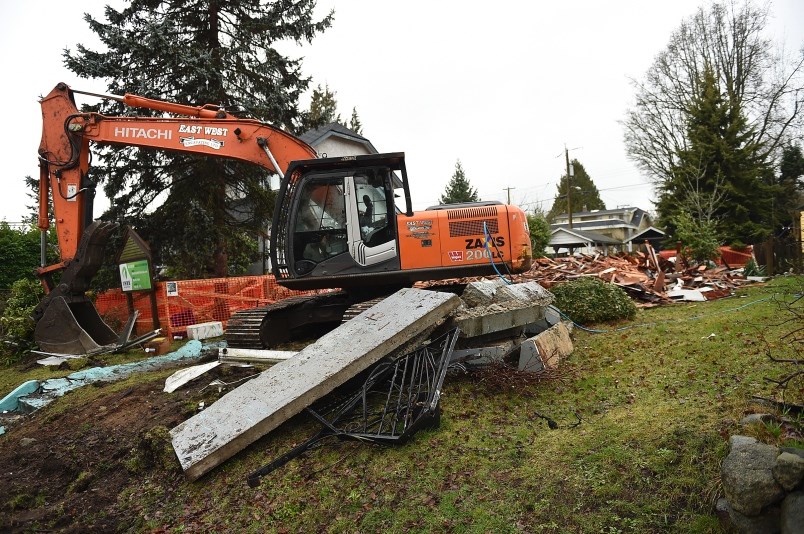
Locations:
249 412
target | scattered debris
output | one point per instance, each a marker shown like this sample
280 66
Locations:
233 355
397 399
179 378
646 277
247 413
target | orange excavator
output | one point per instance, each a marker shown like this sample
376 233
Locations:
337 223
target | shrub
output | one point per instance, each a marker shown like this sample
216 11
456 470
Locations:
16 325
591 300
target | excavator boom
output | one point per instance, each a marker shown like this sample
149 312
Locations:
67 322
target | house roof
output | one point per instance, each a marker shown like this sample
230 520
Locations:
637 214
334 129
605 223
580 237
648 233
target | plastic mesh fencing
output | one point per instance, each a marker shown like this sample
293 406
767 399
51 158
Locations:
186 302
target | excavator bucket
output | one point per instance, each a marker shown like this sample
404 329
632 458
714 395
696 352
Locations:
66 320
72 328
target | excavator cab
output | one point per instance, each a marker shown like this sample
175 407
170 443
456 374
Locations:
336 217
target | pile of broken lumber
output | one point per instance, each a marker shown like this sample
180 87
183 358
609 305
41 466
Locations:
646 276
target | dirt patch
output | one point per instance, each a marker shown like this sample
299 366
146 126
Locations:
65 467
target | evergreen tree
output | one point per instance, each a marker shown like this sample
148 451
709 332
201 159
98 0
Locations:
583 197
459 189
323 110
354 123
540 232
196 52
717 178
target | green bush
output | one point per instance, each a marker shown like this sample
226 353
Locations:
16 325
591 300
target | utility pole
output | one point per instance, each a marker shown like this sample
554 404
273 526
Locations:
509 193
569 186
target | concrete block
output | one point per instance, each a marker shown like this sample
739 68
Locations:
529 294
495 318
205 330
545 350
481 293
252 410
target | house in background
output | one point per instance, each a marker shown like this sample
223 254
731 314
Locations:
334 140
603 231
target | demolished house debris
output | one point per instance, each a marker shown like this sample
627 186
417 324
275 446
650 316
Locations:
647 277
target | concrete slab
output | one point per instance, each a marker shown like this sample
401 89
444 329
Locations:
546 350
495 318
10 401
249 412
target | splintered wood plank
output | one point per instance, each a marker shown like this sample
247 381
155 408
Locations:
249 412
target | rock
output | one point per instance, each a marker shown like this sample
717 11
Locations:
766 523
794 450
789 470
739 441
26 442
792 514
753 418
747 477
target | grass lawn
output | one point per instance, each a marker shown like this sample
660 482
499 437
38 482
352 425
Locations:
644 412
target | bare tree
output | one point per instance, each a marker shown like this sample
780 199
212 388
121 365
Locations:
699 202
761 80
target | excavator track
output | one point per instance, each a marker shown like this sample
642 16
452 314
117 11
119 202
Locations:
286 319
356 309
302 316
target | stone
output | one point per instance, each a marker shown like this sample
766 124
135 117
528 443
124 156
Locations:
739 441
747 478
754 418
531 293
25 442
792 514
789 470
765 523
794 450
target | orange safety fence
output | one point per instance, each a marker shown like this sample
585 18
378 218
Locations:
185 302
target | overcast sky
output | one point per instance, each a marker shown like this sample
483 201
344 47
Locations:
503 87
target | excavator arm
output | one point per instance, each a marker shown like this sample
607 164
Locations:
67 322
205 130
